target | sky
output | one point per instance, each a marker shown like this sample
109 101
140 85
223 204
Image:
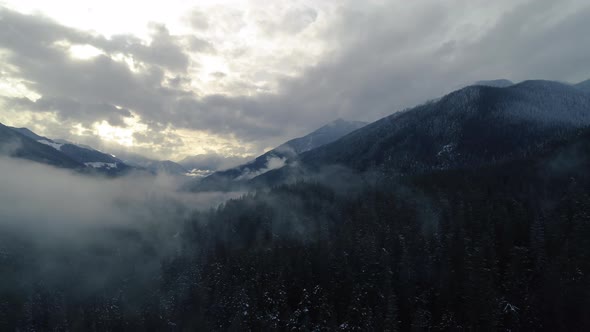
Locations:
230 79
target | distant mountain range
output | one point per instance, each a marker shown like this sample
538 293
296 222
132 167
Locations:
23 143
488 123
152 165
26 144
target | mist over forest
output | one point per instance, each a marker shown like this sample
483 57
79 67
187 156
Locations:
502 246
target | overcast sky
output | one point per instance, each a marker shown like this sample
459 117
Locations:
175 78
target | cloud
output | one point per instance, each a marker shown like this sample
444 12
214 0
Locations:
164 49
196 44
8 148
271 163
37 47
293 20
339 60
381 65
72 109
106 88
538 39
384 65
86 232
29 35
198 20
56 202
68 84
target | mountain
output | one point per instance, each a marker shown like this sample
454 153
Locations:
468 128
106 163
154 166
277 157
166 167
326 134
584 86
30 134
500 83
85 157
82 154
17 144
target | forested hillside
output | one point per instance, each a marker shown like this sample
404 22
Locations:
312 166
503 247
471 127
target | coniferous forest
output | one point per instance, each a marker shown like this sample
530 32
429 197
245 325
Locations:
505 247
294 165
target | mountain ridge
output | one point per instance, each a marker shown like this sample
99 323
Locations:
277 157
584 86
497 83
62 153
13 143
469 127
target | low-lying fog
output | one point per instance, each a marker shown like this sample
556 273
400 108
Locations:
36 195
88 233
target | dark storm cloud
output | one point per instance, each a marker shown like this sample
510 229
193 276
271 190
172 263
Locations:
384 58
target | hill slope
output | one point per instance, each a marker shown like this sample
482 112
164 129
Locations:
584 86
471 127
278 157
61 153
15 144
80 153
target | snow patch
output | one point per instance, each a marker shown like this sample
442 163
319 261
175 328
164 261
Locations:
101 165
54 145
199 173
446 149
